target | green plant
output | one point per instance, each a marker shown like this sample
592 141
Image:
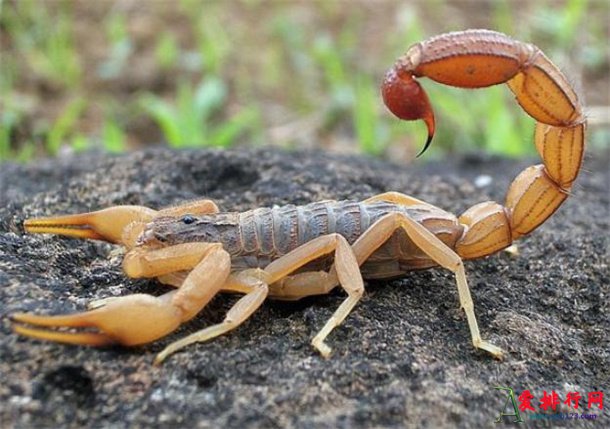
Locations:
315 67
167 51
64 125
488 119
113 137
560 24
120 47
190 122
351 95
45 38
211 37
8 121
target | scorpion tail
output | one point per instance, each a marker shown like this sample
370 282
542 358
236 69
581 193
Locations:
406 99
482 58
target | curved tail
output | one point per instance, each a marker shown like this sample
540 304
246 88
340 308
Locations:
480 58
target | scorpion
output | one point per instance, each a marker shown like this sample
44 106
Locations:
291 252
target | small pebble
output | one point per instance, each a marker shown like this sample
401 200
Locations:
483 181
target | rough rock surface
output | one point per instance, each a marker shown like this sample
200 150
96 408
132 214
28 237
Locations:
403 357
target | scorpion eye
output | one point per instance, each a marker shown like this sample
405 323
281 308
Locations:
188 219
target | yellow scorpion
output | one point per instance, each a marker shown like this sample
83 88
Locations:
295 251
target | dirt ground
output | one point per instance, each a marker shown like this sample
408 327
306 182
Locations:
402 358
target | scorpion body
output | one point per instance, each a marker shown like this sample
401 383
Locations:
291 252
257 237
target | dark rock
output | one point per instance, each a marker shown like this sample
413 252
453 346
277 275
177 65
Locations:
403 357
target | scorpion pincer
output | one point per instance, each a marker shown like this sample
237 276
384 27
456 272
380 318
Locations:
291 252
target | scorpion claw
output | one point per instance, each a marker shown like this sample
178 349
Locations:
108 224
79 338
130 320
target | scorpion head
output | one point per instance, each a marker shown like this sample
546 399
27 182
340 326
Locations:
171 230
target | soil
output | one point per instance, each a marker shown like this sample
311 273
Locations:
402 359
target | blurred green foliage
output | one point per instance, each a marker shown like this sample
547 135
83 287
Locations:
188 121
117 75
45 42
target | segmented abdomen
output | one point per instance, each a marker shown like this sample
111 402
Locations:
266 234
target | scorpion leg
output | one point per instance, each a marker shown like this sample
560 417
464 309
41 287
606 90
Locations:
139 318
250 282
438 251
397 198
300 285
171 265
346 268
318 282
144 263
173 279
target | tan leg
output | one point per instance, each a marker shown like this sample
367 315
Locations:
141 262
256 291
397 198
174 279
438 251
347 271
161 263
139 318
171 265
300 285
